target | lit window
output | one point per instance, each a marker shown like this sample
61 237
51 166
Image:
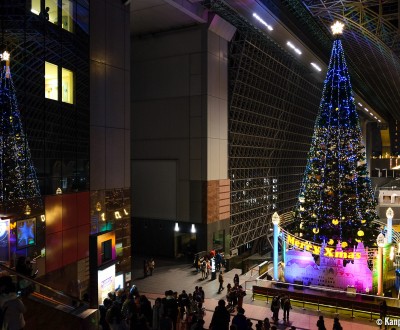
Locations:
51 81
67 86
67 15
51 9
48 10
35 8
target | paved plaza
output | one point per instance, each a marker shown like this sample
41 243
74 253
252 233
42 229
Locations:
178 276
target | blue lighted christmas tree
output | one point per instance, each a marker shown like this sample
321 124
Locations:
336 202
19 188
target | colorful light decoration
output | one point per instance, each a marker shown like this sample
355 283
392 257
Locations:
360 233
337 28
17 174
336 194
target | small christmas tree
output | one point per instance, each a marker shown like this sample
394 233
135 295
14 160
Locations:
336 202
19 188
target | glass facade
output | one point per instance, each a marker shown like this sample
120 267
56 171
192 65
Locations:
50 68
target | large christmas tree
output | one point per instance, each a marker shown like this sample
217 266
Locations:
19 188
336 202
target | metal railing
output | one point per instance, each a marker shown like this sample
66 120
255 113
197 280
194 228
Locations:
362 309
46 293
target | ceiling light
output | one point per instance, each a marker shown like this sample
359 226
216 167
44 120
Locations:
316 67
269 27
359 104
366 109
298 51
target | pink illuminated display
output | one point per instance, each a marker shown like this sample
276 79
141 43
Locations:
301 266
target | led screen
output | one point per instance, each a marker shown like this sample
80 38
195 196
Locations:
26 233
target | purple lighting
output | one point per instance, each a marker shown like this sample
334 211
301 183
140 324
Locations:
328 271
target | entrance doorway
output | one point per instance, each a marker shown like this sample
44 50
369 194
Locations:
185 245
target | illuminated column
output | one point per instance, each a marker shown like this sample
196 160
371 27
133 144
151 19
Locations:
380 241
283 240
275 221
389 216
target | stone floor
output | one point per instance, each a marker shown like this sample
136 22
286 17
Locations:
178 276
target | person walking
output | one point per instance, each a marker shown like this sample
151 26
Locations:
221 282
321 323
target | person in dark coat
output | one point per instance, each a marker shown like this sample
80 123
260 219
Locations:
240 320
321 323
336 324
287 306
275 306
221 317
107 302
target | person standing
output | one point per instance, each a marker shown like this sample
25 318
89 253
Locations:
221 317
240 320
275 306
221 282
321 323
145 268
286 308
336 324
382 311
152 264
236 280
267 325
14 310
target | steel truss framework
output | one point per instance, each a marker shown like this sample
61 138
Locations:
372 42
273 103
58 133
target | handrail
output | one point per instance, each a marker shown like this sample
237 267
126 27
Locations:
58 292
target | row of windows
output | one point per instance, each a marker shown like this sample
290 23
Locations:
64 13
48 9
55 76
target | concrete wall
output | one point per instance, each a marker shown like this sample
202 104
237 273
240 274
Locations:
179 121
109 95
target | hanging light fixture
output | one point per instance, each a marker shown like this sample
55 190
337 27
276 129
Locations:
176 226
193 229
27 210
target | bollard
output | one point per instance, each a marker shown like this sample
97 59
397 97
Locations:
352 311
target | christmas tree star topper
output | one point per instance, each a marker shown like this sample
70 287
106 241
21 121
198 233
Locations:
337 28
5 56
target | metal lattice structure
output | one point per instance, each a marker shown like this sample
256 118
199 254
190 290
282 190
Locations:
273 102
372 41
58 132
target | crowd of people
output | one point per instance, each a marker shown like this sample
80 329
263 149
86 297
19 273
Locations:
124 310
131 310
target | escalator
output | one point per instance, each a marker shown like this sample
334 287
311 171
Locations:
48 308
